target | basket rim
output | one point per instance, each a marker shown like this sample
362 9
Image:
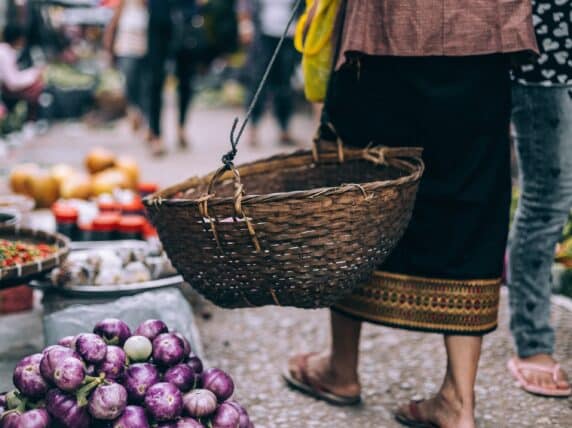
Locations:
406 159
23 271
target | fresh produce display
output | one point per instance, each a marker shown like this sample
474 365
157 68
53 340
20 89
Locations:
14 253
114 378
105 172
112 266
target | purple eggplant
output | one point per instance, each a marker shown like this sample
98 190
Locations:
65 410
69 374
200 403
51 356
137 380
186 344
164 401
188 423
11 420
114 363
226 416
168 350
182 376
151 329
138 349
219 383
132 417
38 418
28 379
244 418
67 342
196 363
90 347
113 331
108 402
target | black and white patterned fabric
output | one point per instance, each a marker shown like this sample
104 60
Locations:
553 25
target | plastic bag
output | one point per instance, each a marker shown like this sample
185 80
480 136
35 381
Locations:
314 41
167 304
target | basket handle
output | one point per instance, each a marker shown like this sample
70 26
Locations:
237 197
317 143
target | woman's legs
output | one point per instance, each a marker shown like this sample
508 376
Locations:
158 41
337 369
184 70
543 123
283 94
131 71
453 406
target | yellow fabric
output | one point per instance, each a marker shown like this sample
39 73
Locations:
314 41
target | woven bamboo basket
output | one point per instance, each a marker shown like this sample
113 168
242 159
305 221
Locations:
311 228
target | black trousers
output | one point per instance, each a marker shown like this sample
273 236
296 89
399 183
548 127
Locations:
279 86
158 53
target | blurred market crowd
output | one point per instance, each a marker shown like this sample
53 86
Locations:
101 60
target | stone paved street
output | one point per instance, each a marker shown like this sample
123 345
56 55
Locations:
253 344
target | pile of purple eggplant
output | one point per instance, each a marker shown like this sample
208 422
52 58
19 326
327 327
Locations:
112 378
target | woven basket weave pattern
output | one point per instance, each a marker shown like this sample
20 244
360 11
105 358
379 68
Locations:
318 234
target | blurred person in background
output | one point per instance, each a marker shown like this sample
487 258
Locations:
126 40
168 22
261 24
542 119
18 84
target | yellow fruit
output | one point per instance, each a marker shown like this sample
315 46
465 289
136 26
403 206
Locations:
108 180
77 186
44 189
99 159
20 178
130 168
61 172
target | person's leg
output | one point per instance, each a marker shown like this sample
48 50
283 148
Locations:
260 53
543 125
283 92
128 67
157 55
184 69
454 404
335 370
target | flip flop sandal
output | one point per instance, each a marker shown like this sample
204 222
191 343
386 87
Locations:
413 417
311 388
516 367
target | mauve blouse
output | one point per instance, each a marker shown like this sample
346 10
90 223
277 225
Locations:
437 27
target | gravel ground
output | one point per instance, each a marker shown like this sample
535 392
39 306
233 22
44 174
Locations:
396 366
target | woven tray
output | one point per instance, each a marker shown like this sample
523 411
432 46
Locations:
297 230
24 273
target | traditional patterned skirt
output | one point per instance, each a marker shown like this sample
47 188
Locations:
444 276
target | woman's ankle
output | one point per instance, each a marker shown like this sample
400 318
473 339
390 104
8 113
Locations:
461 403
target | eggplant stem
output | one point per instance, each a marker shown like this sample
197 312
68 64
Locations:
84 391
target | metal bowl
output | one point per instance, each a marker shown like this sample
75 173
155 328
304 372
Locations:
8 219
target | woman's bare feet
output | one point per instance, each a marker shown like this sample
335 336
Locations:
157 147
287 140
183 141
318 370
253 137
445 410
539 371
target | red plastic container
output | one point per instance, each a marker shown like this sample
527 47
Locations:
133 208
131 227
16 299
66 219
146 189
105 226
